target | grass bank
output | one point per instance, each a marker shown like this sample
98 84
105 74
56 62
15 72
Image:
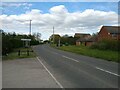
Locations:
103 54
23 54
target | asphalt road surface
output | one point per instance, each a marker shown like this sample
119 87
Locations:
77 71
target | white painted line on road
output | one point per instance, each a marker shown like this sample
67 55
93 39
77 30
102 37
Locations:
50 73
70 58
53 52
107 71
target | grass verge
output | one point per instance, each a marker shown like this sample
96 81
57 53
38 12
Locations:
23 54
103 54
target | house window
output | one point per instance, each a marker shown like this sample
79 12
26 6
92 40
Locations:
114 35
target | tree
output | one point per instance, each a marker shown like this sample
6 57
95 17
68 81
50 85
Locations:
37 36
10 41
67 40
95 34
54 38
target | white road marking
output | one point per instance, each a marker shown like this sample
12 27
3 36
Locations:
53 52
70 58
107 71
95 67
50 73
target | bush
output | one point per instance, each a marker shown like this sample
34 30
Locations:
10 41
106 45
34 42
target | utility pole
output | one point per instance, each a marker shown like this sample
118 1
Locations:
53 35
59 42
30 27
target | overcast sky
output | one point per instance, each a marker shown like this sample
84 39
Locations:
66 17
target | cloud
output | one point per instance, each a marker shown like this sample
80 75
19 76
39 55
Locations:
58 9
88 21
15 4
60 1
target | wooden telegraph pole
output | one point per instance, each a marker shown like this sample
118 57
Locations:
53 35
30 27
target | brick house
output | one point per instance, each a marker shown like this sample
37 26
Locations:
109 32
80 36
86 41
106 32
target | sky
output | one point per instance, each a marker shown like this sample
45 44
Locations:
66 17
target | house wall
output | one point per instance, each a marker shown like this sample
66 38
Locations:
117 37
89 43
84 43
77 43
104 34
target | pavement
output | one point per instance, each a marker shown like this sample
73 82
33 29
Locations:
78 71
26 73
0 73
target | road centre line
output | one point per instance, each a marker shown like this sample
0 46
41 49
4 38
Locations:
107 71
50 73
70 58
54 52
95 67
51 51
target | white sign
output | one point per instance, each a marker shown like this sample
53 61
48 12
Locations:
26 39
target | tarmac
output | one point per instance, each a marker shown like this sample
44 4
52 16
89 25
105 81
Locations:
26 73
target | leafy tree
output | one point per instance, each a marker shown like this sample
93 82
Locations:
68 40
10 41
55 38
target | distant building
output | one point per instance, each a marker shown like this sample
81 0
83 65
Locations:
86 41
109 32
106 32
81 35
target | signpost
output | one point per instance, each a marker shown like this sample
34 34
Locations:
26 42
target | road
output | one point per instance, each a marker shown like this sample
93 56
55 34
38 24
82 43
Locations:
77 71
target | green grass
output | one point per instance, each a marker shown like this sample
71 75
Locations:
103 54
14 54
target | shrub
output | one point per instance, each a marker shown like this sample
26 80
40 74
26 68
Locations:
106 45
11 41
34 42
